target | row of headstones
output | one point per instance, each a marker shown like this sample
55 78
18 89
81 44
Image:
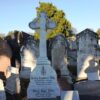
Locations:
93 75
25 73
35 78
28 59
13 87
13 81
44 76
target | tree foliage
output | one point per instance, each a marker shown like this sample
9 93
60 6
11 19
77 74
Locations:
58 16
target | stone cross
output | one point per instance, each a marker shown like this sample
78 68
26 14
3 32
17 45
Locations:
43 79
44 24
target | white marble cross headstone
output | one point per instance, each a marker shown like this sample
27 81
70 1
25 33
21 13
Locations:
43 80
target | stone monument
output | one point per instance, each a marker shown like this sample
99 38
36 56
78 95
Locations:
59 57
29 55
86 51
43 79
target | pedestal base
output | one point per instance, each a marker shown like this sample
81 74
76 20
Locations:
43 82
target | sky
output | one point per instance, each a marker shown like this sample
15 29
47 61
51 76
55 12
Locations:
16 14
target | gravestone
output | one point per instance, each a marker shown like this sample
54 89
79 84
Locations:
29 54
43 80
59 56
86 52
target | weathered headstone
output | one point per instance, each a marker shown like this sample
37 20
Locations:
59 56
43 80
86 51
69 95
29 54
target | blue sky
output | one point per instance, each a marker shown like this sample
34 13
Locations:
16 14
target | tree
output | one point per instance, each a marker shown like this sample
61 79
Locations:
58 16
98 32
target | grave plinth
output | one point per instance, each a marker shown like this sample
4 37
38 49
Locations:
43 79
88 88
43 83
